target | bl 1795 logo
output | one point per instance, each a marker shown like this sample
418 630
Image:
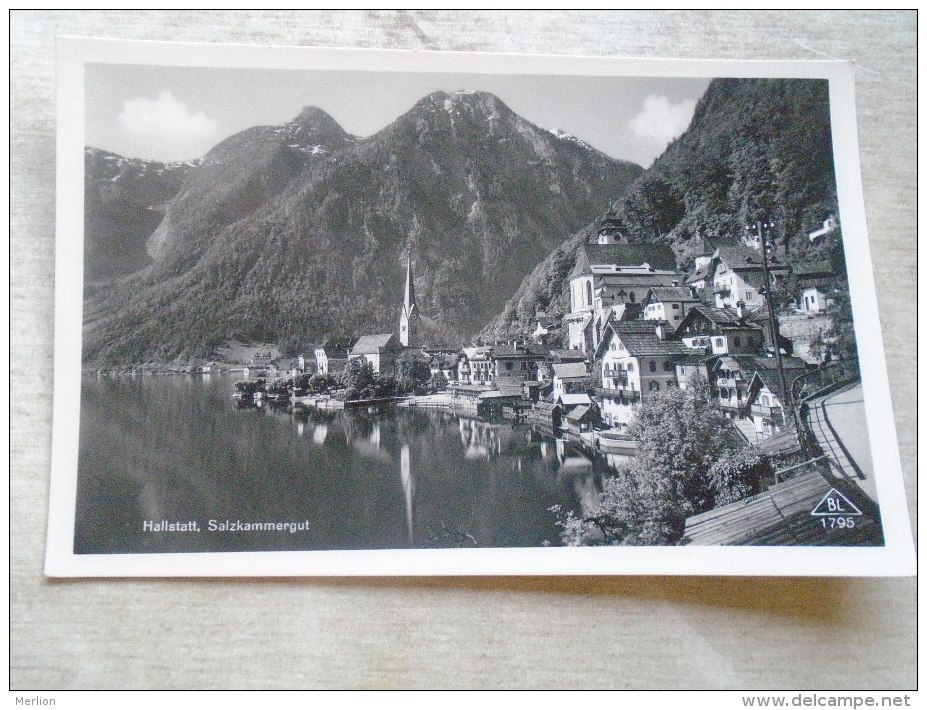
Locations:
836 511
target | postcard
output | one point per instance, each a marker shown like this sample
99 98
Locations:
363 312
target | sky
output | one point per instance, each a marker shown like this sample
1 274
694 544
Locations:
179 113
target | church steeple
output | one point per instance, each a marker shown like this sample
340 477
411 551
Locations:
408 321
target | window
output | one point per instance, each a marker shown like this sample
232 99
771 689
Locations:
508 366
719 342
654 386
589 293
764 400
749 295
630 367
669 366
631 297
524 366
675 306
722 392
653 365
670 384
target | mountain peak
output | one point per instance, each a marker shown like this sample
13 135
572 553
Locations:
318 122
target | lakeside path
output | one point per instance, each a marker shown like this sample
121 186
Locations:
839 423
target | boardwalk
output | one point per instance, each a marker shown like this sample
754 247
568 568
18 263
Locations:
783 515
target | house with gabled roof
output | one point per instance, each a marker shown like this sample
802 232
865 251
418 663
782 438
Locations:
380 350
638 360
819 286
668 303
582 419
738 276
717 331
475 366
768 404
730 377
516 363
568 377
332 355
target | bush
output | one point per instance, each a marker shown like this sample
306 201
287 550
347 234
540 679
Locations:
689 461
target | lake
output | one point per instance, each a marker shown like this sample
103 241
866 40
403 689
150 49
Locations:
163 450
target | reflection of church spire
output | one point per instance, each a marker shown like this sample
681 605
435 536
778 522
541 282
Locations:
408 486
408 321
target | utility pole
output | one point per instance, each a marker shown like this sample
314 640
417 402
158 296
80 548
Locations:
773 325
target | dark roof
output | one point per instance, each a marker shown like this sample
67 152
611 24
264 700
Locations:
724 317
583 411
766 372
371 344
635 326
745 259
702 272
813 268
785 442
514 351
569 369
640 345
337 344
640 338
672 293
695 359
567 355
659 256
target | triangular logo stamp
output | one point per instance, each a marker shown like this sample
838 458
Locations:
835 503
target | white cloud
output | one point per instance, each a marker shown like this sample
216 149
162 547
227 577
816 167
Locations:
660 120
167 125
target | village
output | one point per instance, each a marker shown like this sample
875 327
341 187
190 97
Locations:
636 326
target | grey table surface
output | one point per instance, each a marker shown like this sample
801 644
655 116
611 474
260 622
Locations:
650 632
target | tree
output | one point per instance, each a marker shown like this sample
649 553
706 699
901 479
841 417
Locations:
413 373
438 382
357 378
689 460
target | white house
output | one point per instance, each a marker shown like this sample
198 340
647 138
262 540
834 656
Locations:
830 224
814 301
738 277
765 398
722 330
567 376
638 359
668 303
331 356
475 366
380 350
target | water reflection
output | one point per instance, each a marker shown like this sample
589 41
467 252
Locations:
181 448
408 487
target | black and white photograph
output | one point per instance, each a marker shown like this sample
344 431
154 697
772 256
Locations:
380 302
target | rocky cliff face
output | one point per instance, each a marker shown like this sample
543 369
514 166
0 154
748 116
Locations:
290 233
755 149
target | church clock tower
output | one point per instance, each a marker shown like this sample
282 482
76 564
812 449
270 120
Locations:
409 320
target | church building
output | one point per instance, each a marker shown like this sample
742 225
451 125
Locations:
409 318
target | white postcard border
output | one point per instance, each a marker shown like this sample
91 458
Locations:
895 558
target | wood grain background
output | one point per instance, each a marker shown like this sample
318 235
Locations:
509 632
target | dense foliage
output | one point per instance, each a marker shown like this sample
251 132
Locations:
689 461
756 150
